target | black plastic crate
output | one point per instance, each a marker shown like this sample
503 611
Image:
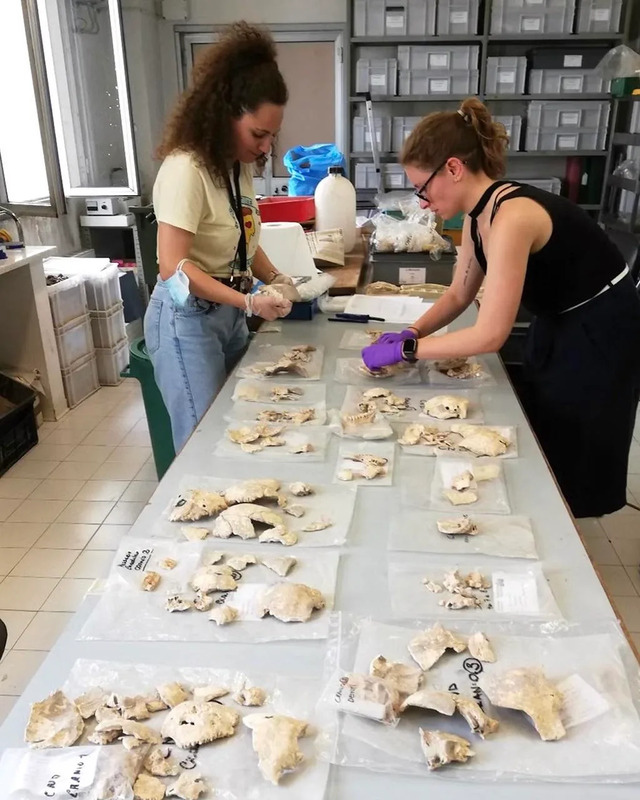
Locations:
18 429
567 57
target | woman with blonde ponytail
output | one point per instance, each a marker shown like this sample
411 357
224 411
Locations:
582 365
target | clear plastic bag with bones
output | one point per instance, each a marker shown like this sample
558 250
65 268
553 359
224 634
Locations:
416 233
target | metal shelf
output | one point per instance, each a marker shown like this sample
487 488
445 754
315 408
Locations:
555 37
393 40
558 153
626 139
412 99
617 224
623 183
520 98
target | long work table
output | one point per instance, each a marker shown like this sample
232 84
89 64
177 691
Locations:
362 587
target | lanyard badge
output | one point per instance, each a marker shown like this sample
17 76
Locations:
242 279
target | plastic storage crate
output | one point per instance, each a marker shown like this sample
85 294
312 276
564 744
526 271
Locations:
103 289
68 300
74 341
377 75
457 17
566 81
532 16
598 16
111 362
554 140
506 74
552 185
513 126
108 327
362 135
394 17
18 429
634 125
400 130
567 126
434 82
393 176
438 57
80 381
562 57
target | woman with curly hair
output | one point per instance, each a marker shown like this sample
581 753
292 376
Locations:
209 223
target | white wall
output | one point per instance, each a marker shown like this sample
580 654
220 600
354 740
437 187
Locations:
222 12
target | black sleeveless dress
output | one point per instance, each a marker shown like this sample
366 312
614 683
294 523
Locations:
582 364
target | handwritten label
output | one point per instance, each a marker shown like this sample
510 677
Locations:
572 61
50 775
136 560
346 700
412 275
438 86
581 701
515 593
459 17
531 23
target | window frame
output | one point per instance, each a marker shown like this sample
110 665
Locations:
56 205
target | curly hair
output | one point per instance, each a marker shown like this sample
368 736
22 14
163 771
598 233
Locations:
234 76
470 133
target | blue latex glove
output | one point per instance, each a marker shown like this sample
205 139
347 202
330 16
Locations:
390 338
382 355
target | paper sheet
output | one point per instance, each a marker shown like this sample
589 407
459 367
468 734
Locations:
394 309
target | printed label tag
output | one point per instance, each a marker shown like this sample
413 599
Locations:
506 77
581 701
569 118
412 275
439 85
438 61
531 23
66 775
395 20
395 180
515 593
600 14
572 84
459 17
567 142
572 61
378 80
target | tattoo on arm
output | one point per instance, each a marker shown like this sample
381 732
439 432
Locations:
466 272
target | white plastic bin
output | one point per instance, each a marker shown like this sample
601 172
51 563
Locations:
437 82
566 81
394 17
401 128
599 16
68 300
74 341
103 289
513 126
393 176
532 16
457 17
80 381
438 58
108 327
553 185
506 75
567 125
111 361
377 76
362 135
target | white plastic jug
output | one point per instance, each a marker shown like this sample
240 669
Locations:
335 200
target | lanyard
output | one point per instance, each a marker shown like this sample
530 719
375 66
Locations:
235 198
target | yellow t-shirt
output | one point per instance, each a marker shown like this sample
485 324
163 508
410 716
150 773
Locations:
184 195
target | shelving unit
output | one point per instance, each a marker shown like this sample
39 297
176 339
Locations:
618 212
522 164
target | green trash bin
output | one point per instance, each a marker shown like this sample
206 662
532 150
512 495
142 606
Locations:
140 367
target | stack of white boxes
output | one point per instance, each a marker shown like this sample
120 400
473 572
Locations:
107 323
74 340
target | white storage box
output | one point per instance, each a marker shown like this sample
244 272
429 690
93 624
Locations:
599 16
80 381
108 327
103 289
74 342
377 76
457 17
68 300
401 128
437 58
566 81
111 361
506 75
393 176
513 126
394 17
532 16
456 83
362 135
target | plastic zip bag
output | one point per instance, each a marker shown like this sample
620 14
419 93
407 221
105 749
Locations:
620 62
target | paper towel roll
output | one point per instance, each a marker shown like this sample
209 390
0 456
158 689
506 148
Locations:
286 247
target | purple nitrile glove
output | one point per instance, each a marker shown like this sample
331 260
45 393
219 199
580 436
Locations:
382 355
390 338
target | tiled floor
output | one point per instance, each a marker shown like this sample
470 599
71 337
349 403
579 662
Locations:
63 510
65 506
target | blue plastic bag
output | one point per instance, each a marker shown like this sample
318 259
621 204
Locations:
309 165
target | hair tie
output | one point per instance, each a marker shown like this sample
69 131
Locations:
464 116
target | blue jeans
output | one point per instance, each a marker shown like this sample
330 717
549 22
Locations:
192 349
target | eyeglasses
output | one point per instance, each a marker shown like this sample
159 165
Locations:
422 191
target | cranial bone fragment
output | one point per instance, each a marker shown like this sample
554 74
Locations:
461 497
214 579
300 489
303 447
478 721
187 787
442 748
476 580
208 693
168 563
345 475
282 393
486 472
480 648
89 702
176 602
211 557
464 480
244 435
429 646
292 602
295 510
134 708
147 787
195 504
194 534
457 525
254 696
239 563
403 677
281 566
442 702
250 491
454 582
318 525
445 406
172 694
279 534
529 690
432 586
460 368
275 740
481 441
158 762
238 521
283 365
193 723
135 730
246 447
150 582
223 615
54 722
459 601
203 601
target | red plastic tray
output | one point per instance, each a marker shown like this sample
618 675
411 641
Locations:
287 209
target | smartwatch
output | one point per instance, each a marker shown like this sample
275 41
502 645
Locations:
409 350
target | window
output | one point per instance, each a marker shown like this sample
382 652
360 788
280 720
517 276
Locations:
29 178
